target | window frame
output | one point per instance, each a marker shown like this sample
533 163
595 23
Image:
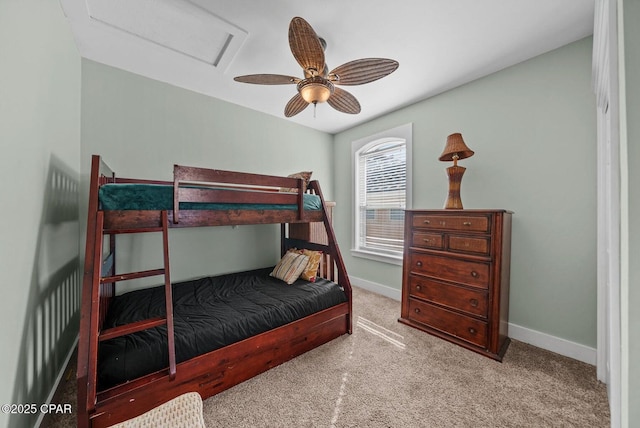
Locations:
405 133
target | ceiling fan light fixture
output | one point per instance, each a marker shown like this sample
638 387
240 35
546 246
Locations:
320 85
315 89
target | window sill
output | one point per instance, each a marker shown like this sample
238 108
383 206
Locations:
385 258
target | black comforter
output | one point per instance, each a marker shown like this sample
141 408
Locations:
209 313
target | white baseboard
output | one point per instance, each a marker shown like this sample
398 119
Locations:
57 382
392 293
555 344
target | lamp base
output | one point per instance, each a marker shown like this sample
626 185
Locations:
455 174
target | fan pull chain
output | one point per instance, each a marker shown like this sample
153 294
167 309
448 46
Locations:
315 105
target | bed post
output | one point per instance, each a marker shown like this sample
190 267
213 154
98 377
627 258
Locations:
93 304
301 191
85 402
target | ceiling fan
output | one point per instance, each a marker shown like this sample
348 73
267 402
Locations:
319 84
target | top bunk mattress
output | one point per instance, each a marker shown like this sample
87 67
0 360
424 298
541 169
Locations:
159 197
209 313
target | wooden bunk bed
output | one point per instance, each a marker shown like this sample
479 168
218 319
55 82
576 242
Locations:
197 197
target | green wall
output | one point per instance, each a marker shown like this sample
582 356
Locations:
142 127
40 164
630 201
532 127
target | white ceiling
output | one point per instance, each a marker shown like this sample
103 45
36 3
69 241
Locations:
201 45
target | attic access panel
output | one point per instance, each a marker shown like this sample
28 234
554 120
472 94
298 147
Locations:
178 25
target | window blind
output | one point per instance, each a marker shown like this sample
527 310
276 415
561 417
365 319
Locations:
382 184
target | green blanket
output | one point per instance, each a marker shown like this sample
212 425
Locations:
160 197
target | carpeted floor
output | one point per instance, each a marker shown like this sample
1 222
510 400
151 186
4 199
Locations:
387 374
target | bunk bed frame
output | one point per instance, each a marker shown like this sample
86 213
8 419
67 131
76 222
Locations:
218 370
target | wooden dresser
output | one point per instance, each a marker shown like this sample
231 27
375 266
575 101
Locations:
455 282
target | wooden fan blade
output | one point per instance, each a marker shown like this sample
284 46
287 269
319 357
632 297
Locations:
295 105
362 71
343 101
306 46
266 79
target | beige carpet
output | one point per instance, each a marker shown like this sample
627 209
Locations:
387 374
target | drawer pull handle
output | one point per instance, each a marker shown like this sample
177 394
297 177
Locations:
417 310
467 223
474 274
427 222
474 302
472 330
419 264
443 223
418 287
426 240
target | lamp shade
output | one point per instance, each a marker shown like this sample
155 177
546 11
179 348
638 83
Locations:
455 145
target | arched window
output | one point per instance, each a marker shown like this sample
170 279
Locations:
381 190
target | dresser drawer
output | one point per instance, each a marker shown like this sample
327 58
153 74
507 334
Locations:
469 244
452 323
471 301
474 274
452 222
427 240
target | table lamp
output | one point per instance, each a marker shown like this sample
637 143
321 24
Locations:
454 150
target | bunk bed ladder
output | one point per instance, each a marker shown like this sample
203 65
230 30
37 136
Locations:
134 327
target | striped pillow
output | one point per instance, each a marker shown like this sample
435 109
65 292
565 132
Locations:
290 267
